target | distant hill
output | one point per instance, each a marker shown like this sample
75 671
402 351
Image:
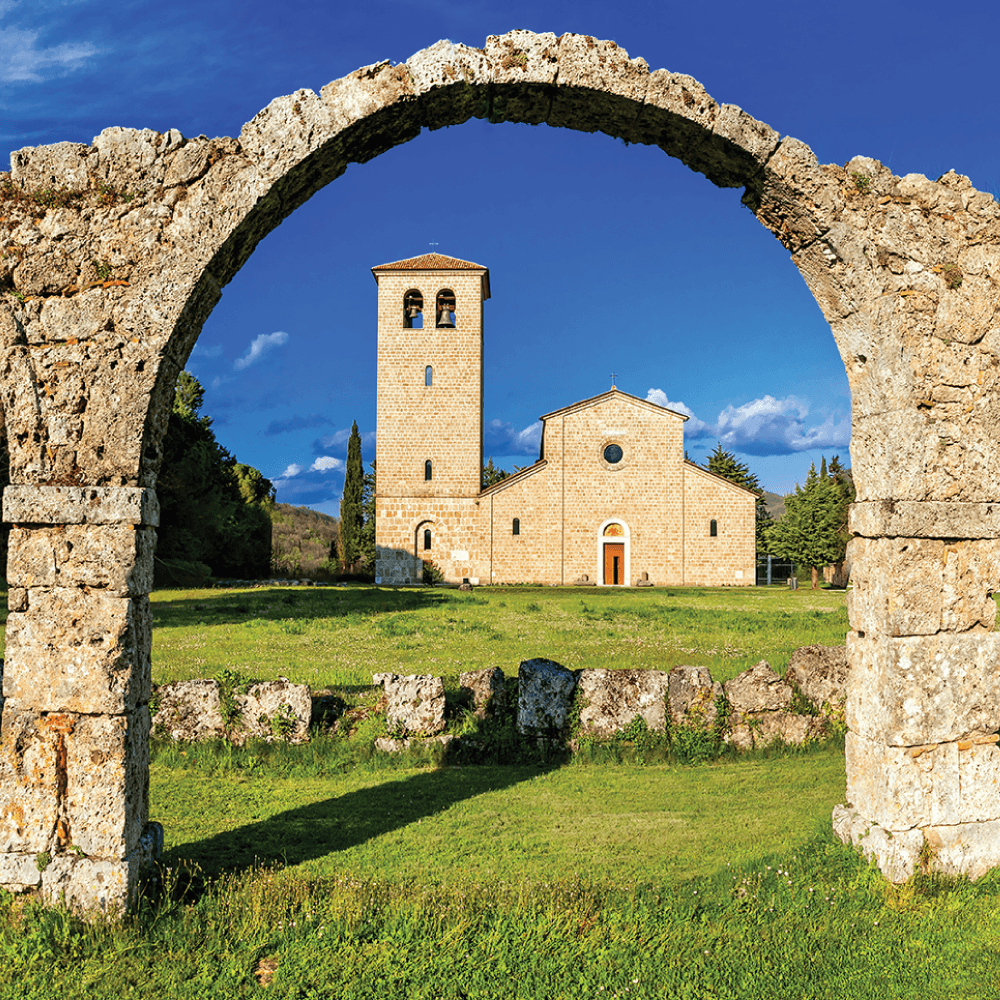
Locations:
300 542
775 504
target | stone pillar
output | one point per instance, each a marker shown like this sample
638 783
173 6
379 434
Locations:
74 757
923 698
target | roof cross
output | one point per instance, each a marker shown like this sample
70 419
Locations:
613 377
433 244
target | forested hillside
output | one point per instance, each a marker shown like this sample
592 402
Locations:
303 542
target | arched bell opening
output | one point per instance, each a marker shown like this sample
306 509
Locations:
445 308
413 310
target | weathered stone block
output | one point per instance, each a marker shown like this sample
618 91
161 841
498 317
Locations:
80 505
74 651
115 558
30 781
19 872
613 698
58 165
900 791
276 710
920 586
758 689
415 704
969 849
93 887
820 673
544 697
924 689
389 745
979 781
73 780
895 853
755 730
691 696
107 784
914 453
487 689
188 710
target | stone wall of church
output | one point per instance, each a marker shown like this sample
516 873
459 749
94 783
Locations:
534 555
643 491
730 558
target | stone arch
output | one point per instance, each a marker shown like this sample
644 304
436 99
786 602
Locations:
105 292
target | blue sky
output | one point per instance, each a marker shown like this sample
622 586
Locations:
603 258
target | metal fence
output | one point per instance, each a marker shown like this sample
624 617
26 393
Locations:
772 570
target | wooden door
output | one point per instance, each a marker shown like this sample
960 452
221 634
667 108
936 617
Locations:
614 563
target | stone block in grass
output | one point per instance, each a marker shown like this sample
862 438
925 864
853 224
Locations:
613 698
691 696
545 692
486 689
415 704
820 673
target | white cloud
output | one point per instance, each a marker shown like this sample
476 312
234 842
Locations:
291 470
339 439
693 427
502 439
260 345
205 351
23 61
326 462
765 426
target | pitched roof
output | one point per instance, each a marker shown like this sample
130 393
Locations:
609 395
430 262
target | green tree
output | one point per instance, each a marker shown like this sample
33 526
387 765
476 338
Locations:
492 475
351 507
813 531
725 464
214 511
367 544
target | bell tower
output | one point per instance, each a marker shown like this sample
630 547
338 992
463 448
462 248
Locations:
429 424
430 376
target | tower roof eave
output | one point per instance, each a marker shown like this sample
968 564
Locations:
435 262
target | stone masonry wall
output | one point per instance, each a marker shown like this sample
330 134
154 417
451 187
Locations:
730 558
104 290
443 421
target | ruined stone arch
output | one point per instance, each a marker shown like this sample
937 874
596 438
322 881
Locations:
104 289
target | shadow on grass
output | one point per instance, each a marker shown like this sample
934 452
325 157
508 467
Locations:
322 828
276 603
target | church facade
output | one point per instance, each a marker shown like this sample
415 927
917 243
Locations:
611 500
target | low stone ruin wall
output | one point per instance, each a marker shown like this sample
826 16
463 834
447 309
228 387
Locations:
760 706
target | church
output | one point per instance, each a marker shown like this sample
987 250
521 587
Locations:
611 501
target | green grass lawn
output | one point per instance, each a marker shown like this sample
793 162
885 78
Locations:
339 637
298 872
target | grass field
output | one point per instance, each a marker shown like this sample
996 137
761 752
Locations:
325 636
291 874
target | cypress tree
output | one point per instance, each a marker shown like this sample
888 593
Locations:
351 503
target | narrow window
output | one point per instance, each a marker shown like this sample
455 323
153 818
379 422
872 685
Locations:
413 310
427 470
516 530
428 375
446 307
713 528
427 539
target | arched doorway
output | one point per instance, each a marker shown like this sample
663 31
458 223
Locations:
614 556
